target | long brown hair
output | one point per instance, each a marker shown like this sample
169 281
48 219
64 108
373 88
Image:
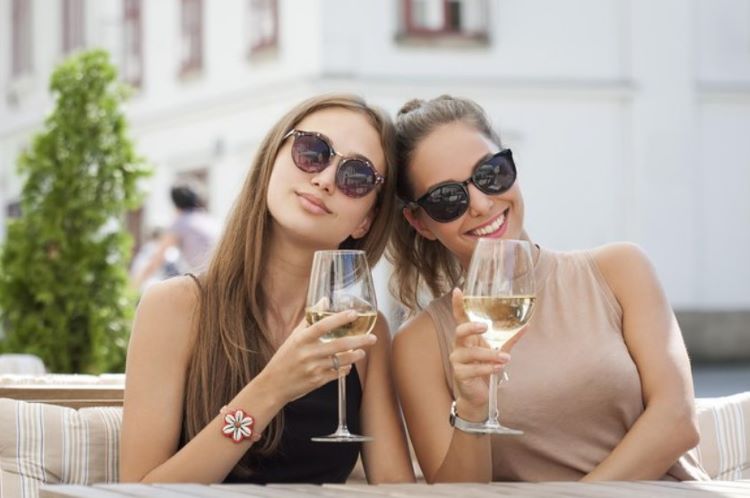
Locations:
233 342
419 263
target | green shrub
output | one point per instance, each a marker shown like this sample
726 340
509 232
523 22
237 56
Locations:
63 268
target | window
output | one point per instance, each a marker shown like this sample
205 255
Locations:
21 56
132 70
73 25
466 18
191 56
13 210
262 25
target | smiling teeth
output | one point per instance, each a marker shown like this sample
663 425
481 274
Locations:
490 228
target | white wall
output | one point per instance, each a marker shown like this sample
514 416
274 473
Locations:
722 41
722 271
529 39
628 118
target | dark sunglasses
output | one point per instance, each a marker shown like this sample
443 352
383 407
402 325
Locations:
312 153
447 201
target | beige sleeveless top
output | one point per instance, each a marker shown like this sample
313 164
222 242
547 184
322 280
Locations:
574 389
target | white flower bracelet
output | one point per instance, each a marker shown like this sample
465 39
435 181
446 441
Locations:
238 425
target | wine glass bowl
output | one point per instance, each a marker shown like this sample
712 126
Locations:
363 324
499 292
340 280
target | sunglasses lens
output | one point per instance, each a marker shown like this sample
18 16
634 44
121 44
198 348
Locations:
310 153
355 178
446 203
496 175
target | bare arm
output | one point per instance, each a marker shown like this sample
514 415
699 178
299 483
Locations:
158 355
667 428
386 458
445 454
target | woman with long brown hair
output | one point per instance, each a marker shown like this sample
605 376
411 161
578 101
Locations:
232 343
600 382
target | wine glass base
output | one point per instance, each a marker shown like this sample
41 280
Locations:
492 429
341 438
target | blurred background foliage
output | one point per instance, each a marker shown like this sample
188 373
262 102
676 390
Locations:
63 268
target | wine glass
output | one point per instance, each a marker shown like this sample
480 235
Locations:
341 281
499 292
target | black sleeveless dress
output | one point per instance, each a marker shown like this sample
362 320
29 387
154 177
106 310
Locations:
299 460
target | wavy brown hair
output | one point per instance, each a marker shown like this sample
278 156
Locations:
233 342
419 263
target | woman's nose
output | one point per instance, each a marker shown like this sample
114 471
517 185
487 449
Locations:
326 179
479 203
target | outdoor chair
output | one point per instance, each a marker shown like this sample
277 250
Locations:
65 429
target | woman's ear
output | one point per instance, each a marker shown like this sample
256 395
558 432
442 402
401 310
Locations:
364 225
417 224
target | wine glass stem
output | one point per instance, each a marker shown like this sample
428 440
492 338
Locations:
342 404
492 411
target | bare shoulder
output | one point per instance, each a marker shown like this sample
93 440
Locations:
623 265
178 293
382 329
166 315
379 354
416 333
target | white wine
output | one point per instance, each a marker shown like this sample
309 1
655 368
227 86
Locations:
504 316
361 325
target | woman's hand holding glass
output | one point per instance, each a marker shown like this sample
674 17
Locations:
303 363
341 280
473 362
499 293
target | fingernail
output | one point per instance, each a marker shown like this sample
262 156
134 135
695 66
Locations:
372 338
497 368
351 314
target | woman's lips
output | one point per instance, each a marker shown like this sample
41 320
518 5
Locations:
494 229
312 204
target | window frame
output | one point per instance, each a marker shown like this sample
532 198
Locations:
22 39
73 25
132 19
411 30
256 45
191 31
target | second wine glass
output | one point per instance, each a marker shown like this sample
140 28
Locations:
341 281
499 292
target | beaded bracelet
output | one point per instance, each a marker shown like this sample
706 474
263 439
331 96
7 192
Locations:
238 424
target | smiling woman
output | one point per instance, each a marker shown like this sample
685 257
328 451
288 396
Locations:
601 384
231 346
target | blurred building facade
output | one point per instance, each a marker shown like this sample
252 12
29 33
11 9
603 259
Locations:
628 118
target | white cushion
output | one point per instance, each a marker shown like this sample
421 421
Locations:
42 443
724 450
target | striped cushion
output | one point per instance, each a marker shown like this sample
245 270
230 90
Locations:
42 443
724 450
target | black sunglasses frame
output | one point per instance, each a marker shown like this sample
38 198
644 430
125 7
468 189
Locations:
378 178
422 201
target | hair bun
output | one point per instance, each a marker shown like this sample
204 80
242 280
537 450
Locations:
410 106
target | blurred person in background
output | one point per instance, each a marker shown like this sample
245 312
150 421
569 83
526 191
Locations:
194 233
170 268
